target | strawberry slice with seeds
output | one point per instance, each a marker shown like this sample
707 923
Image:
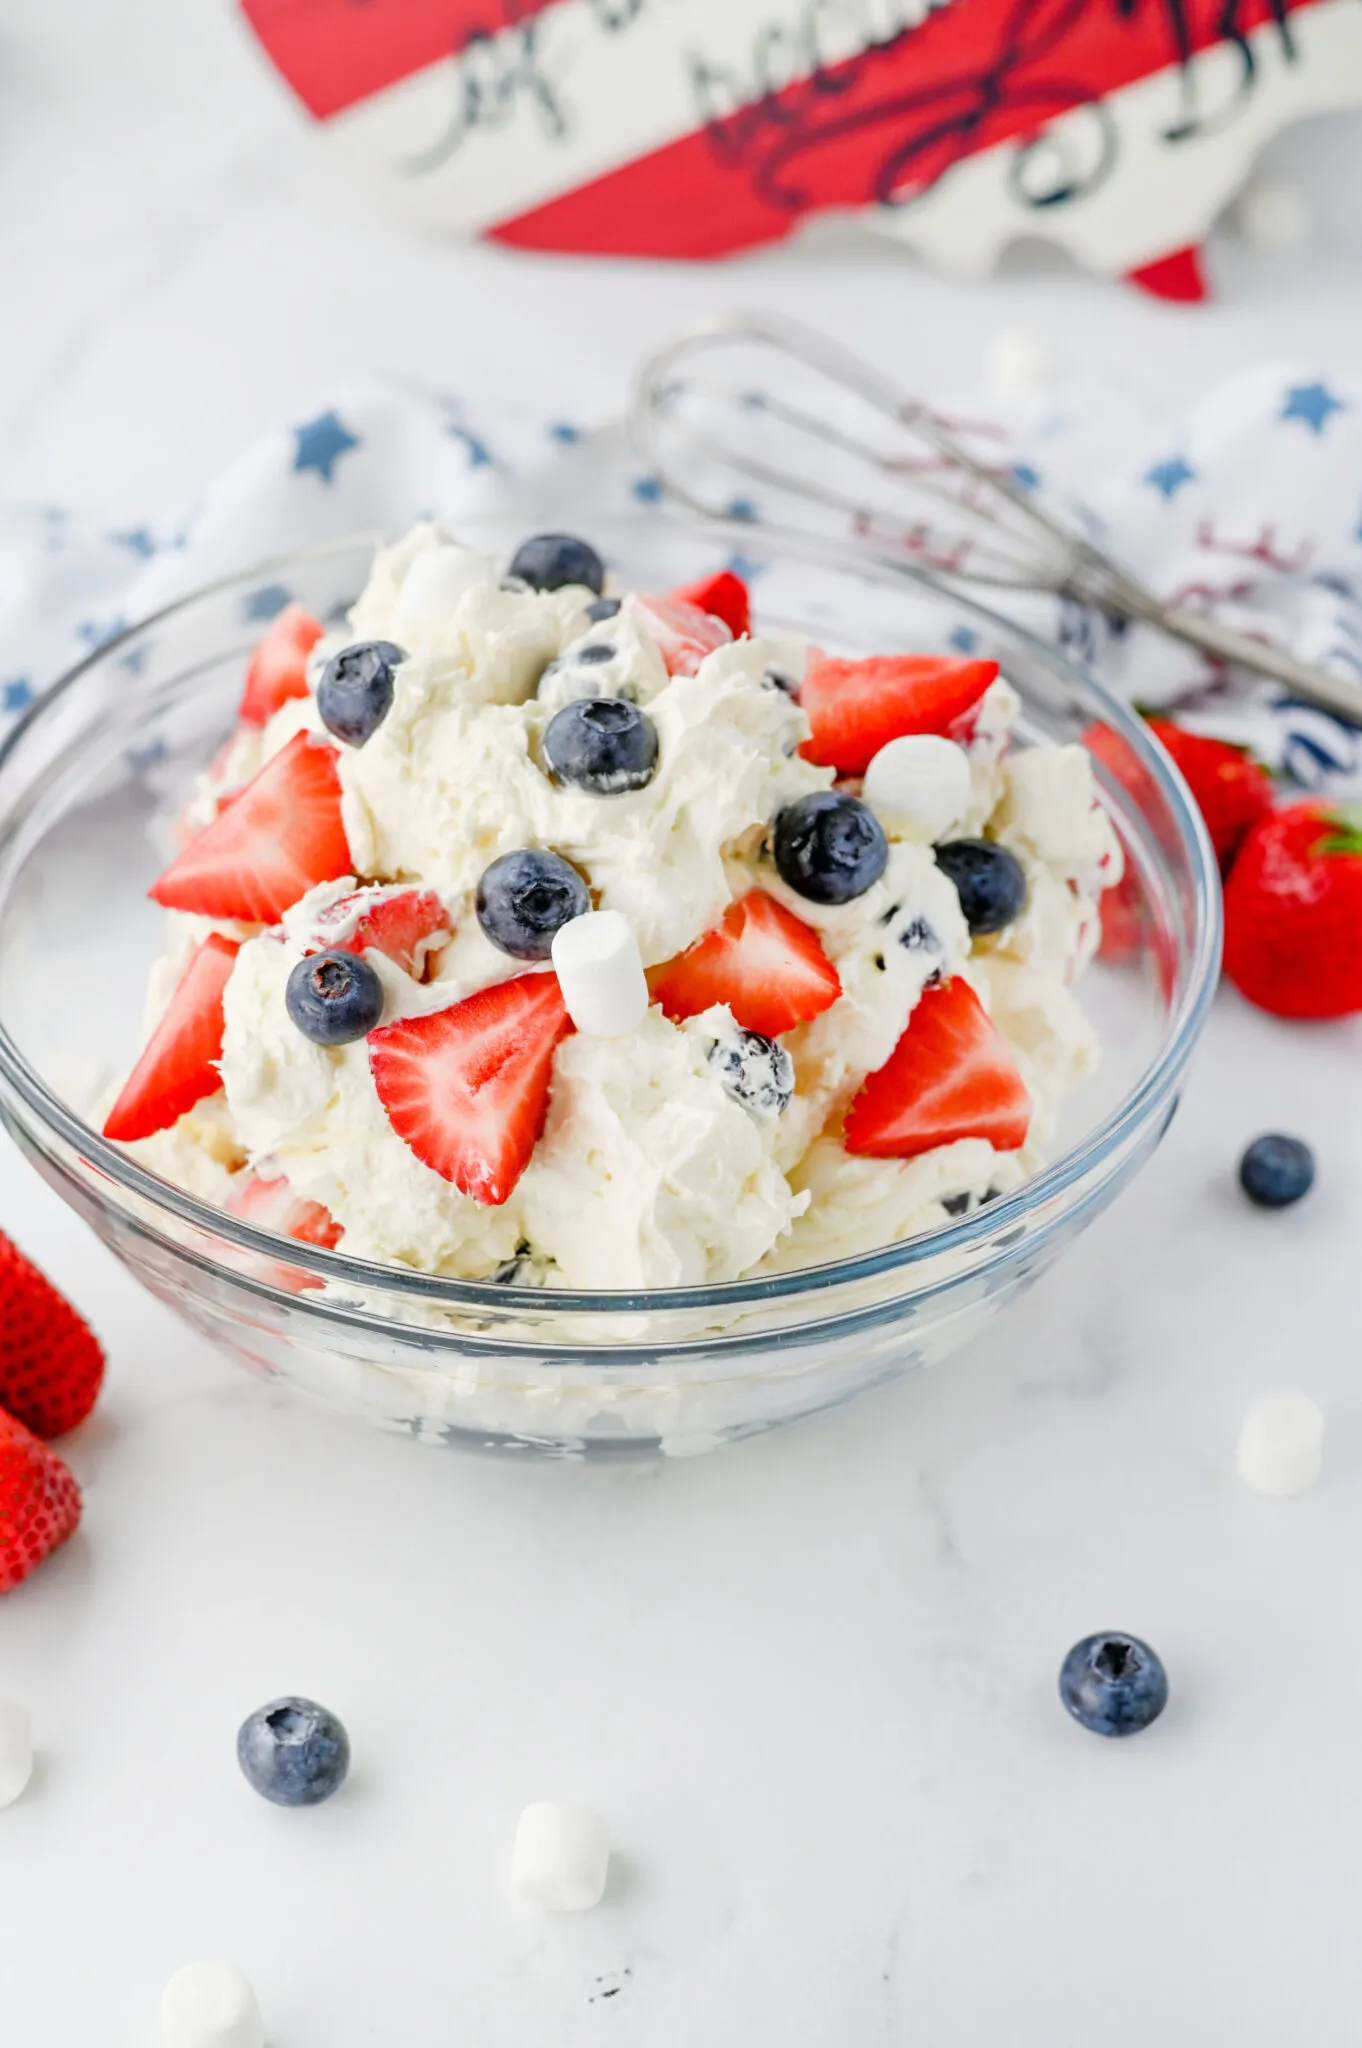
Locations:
857 707
406 924
273 1205
179 1064
681 631
279 837
724 596
765 963
468 1088
950 1076
278 667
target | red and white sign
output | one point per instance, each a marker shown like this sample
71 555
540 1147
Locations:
694 128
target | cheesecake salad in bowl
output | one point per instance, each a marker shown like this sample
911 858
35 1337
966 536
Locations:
596 1007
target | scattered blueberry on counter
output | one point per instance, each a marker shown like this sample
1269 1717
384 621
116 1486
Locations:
829 847
293 1752
549 561
524 898
603 745
334 998
355 693
1276 1171
1113 1684
990 882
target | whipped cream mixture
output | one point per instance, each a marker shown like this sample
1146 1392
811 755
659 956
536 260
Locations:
690 1148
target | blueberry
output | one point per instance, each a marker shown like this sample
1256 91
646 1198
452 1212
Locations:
355 693
1276 1171
594 651
829 847
755 1071
293 1752
525 897
548 561
602 608
602 744
1113 1684
990 882
334 998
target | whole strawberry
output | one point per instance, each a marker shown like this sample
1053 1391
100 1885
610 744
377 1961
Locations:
1293 913
1232 790
51 1365
39 1502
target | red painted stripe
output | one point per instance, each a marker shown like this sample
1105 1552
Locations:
336 52
977 74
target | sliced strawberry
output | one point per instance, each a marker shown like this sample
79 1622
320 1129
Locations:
683 633
274 1206
278 667
765 963
278 838
406 924
179 1065
950 1076
857 707
468 1088
724 596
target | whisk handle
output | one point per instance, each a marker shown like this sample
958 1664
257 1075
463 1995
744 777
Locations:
1316 685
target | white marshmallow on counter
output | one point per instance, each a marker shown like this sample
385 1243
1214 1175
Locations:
919 784
210 2005
600 973
432 587
1281 1443
16 1751
561 1857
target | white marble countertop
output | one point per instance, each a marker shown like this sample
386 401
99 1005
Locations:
811 1680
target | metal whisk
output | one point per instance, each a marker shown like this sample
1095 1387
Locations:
877 475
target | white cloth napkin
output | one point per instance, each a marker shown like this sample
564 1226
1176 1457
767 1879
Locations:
1252 507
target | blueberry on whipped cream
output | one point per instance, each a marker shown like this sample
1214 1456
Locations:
355 693
527 896
334 998
830 848
549 561
602 744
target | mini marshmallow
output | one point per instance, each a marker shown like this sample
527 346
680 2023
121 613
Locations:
16 1751
1017 365
600 973
210 2005
919 784
1281 1443
432 587
561 1857
1273 214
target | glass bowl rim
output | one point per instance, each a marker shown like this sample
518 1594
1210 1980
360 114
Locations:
961 1235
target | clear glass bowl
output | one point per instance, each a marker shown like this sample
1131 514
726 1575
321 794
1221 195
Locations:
87 781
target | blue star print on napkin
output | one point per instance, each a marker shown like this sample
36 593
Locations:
320 445
1169 477
1311 403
